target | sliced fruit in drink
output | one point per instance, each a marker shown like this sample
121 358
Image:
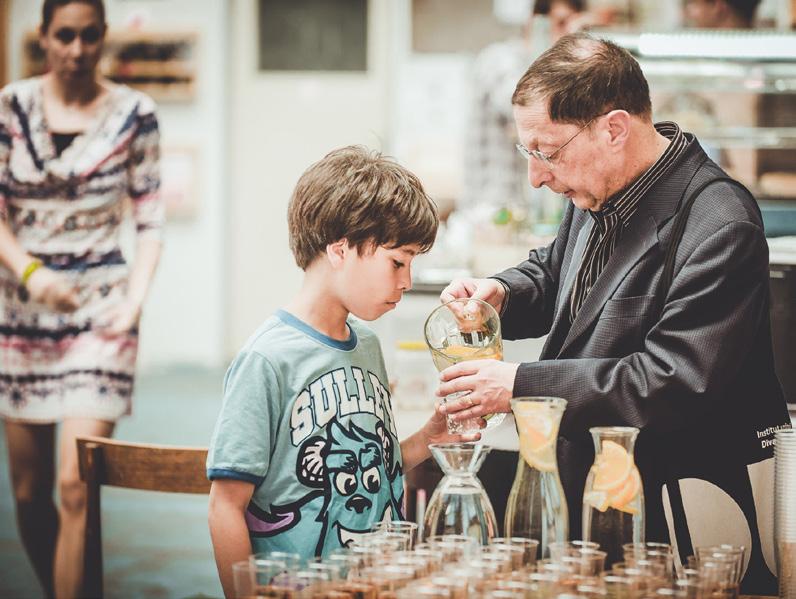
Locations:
628 492
538 430
544 461
596 499
612 467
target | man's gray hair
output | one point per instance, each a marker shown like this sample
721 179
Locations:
582 77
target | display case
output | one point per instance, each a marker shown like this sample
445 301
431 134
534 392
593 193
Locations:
736 91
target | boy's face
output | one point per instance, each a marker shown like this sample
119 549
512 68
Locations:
373 281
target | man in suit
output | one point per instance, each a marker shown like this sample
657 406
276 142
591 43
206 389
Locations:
689 363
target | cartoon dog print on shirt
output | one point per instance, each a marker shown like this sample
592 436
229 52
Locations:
351 473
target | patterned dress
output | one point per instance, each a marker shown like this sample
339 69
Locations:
68 210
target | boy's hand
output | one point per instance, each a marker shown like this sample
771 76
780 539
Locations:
436 429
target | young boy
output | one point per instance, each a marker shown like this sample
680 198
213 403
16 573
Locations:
305 457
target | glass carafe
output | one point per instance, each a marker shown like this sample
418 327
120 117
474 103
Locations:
613 500
460 330
459 504
537 507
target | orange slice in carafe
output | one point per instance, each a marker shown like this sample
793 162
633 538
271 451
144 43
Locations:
628 493
537 427
612 467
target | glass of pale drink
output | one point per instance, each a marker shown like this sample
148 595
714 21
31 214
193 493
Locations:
461 330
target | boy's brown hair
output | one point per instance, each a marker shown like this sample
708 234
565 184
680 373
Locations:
359 195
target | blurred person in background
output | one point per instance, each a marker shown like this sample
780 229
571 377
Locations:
73 148
494 174
720 14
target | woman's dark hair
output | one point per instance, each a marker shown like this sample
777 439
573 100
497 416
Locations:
49 6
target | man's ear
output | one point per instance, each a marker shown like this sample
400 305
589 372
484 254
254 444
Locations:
617 127
336 252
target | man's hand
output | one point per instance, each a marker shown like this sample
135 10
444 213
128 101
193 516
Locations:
52 289
489 290
490 383
119 319
436 429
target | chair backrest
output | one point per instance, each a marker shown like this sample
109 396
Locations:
133 466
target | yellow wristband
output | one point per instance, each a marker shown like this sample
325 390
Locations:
29 270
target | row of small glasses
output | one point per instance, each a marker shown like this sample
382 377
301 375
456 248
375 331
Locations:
457 567
379 564
375 569
284 574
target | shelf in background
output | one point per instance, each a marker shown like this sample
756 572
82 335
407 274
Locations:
760 61
780 138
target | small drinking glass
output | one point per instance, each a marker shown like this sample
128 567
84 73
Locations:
457 546
618 587
513 553
735 553
243 579
331 570
265 565
402 527
424 590
455 586
345 559
561 548
530 547
292 561
585 562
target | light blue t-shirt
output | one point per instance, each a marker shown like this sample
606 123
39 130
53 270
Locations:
308 420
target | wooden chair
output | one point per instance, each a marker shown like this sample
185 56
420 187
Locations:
132 466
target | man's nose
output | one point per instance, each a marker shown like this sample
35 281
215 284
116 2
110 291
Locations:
538 173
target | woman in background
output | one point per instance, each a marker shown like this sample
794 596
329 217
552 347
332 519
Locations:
73 148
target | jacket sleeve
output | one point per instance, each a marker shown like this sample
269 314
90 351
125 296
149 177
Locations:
715 306
533 287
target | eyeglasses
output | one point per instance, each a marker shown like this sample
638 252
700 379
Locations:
89 35
547 159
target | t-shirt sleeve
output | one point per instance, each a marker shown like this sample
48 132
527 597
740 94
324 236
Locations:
247 425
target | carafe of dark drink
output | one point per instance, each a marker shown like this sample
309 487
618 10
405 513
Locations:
613 499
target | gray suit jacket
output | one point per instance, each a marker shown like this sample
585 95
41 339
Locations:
692 368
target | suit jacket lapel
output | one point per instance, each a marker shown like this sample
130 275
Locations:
561 319
634 243
657 206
